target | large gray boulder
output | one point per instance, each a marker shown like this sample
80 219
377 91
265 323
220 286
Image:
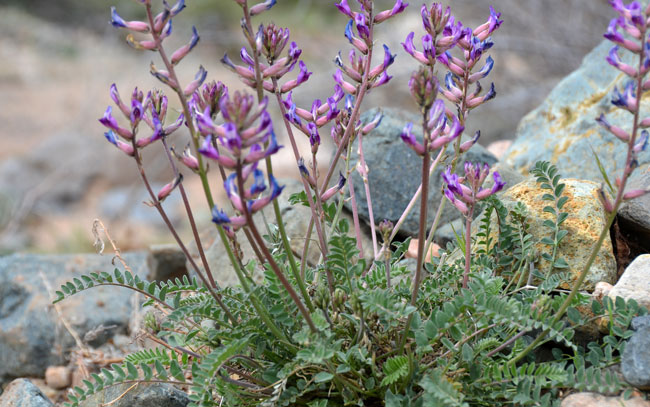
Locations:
32 336
395 173
563 129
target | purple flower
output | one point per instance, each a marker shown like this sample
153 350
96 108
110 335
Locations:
258 183
125 147
626 100
383 79
261 7
314 137
256 205
177 8
386 14
180 53
632 12
344 8
246 57
166 190
486 29
642 143
615 130
362 26
208 150
614 60
409 138
409 47
483 72
119 22
109 121
429 48
333 190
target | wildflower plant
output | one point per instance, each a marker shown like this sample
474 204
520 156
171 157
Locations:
452 332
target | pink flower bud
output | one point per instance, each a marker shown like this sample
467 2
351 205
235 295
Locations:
185 49
167 189
635 193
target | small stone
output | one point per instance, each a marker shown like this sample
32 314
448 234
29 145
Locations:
412 252
499 147
597 400
635 362
23 393
58 377
635 282
601 290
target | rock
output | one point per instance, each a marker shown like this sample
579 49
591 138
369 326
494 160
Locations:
58 377
508 174
394 173
22 393
142 395
585 222
563 130
602 289
635 362
499 147
296 220
598 400
640 322
635 282
31 335
412 252
634 215
166 262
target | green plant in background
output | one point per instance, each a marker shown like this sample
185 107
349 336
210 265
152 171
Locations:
458 331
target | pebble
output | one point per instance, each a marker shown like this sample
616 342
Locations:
58 377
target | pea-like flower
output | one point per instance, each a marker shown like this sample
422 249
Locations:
398 7
464 192
438 131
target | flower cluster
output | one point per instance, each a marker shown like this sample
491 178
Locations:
362 42
160 30
244 138
152 110
271 42
465 192
438 131
443 33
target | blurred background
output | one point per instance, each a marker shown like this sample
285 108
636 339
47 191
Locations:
59 58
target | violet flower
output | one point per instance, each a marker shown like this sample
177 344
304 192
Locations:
386 14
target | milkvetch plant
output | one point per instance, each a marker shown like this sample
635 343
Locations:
345 331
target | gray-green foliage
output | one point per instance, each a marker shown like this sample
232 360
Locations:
456 354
